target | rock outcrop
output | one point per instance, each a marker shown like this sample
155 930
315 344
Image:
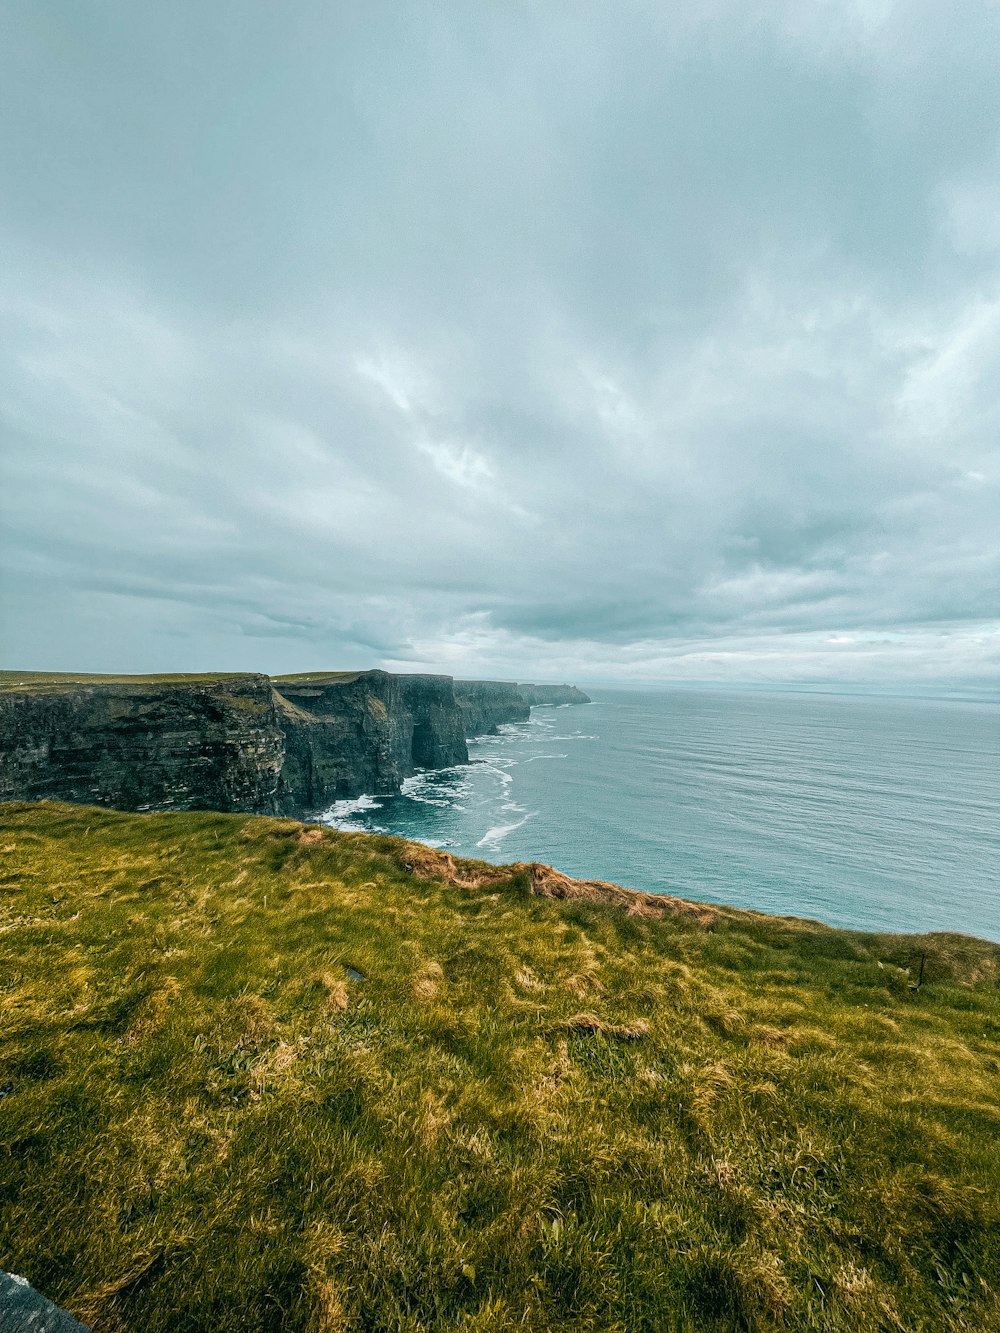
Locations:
485 704
25 1310
291 745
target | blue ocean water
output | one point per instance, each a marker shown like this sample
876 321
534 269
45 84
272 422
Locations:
875 813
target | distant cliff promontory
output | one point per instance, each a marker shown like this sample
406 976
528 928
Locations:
242 742
534 695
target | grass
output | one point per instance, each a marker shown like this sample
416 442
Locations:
304 677
49 681
530 1113
58 680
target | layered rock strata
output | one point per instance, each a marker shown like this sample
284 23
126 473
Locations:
344 735
291 745
485 704
144 745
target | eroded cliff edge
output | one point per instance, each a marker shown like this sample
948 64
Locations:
535 695
486 704
144 744
282 745
366 732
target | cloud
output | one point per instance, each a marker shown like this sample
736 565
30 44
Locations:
458 463
579 343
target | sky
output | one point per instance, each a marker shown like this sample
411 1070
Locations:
624 342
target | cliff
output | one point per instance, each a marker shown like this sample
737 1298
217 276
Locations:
241 742
485 704
248 743
552 694
145 744
362 732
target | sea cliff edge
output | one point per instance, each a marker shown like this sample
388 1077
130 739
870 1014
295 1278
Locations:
244 742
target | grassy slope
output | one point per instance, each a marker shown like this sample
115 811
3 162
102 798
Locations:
213 1127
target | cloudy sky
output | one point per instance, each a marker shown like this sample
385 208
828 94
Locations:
560 340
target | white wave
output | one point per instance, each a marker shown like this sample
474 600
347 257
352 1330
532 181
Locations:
496 742
505 778
428 789
531 758
445 802
343 815
342 809
354 826
493 837
433 775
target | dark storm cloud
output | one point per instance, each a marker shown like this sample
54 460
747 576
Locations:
573 340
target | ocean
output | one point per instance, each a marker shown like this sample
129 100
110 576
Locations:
872 813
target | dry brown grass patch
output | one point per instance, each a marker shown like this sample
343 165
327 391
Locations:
527 980
589 1025
430 863
432 1117
582 984
768 1036
427 982
336 998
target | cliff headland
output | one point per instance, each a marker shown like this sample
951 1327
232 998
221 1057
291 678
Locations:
242 742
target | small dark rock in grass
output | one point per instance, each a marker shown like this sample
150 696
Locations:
24 1310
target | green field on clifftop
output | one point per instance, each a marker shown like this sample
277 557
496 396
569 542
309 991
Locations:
59 680
262 1076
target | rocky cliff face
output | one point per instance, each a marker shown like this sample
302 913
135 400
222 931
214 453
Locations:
485 704
144 746
291 745
345 735
552 694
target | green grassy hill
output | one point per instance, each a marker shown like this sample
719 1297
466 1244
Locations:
258 1075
